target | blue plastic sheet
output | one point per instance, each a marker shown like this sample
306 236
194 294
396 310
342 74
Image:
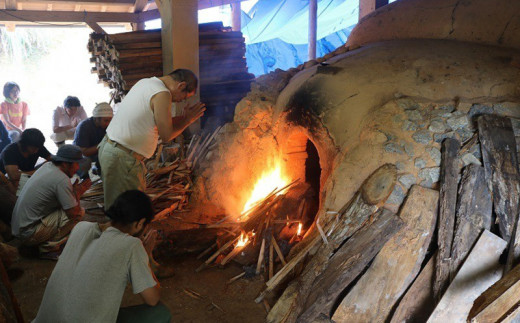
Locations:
276 31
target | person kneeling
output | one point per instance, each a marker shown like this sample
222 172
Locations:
48 206
99 260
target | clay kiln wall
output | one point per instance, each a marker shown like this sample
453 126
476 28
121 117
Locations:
495 22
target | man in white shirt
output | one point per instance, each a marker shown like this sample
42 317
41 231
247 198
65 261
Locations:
65 119
142 117
89 280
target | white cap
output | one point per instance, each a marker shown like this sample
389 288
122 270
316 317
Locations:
102 110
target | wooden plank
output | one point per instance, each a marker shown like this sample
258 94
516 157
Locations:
480 270
347 263
474 211
500 158
449 179
96 28
140 52
418 302
139 5
139 45
499 300
396 265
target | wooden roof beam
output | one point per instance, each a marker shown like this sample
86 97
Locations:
74 16
205 4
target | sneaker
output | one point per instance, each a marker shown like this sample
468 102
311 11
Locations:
53 255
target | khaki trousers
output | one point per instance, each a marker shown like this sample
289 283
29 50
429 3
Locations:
120 171
50 232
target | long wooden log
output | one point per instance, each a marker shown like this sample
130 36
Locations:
474 211
353 216
396 265
449 179
501 165
499 301
347 263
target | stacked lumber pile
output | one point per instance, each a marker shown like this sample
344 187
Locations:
120 60
365 264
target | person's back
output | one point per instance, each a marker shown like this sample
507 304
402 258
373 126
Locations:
89 280
88 283
133 126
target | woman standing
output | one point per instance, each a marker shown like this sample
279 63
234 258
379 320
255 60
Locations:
14 111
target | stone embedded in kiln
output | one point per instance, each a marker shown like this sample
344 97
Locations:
409 126
422 137
435 154
407 180
397 195
414 115
430 175
420 163
394 148
456 123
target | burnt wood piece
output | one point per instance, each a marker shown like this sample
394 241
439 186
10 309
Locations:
474 211
418 302
347 263
396 265
352 217
499 301
449 179
499 154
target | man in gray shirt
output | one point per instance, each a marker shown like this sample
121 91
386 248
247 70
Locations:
99 260
48 206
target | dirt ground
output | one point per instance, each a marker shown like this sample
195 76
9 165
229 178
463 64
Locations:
218 302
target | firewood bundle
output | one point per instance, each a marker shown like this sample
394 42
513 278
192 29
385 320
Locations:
168 183
120 60
257 231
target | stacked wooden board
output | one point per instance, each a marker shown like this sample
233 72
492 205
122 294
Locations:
120 60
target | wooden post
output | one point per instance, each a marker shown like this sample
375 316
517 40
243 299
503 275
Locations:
313 28
236 12
449 179
180 40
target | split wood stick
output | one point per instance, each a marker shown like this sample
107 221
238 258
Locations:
14 302
231 255
205 252
215 255
194 148
170 178
158 156
271 262
267 307
260 257
206 145
278 251
237 277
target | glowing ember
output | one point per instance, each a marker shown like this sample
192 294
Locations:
242 241
269 182
299 229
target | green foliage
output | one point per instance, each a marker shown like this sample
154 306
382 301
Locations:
25 43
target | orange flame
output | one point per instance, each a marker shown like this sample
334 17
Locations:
268 182
242 241
299 229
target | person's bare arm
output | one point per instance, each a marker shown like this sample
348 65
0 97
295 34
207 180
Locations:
8 121
167 126
62 129
14 173
79 189
151 296
75 212
89 151
5 182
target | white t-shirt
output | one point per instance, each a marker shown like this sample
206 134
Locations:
60 118
89 280
133 126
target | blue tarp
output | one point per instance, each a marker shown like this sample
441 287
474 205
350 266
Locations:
276 31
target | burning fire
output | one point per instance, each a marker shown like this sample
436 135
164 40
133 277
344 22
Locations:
299 232
242 241
270 181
